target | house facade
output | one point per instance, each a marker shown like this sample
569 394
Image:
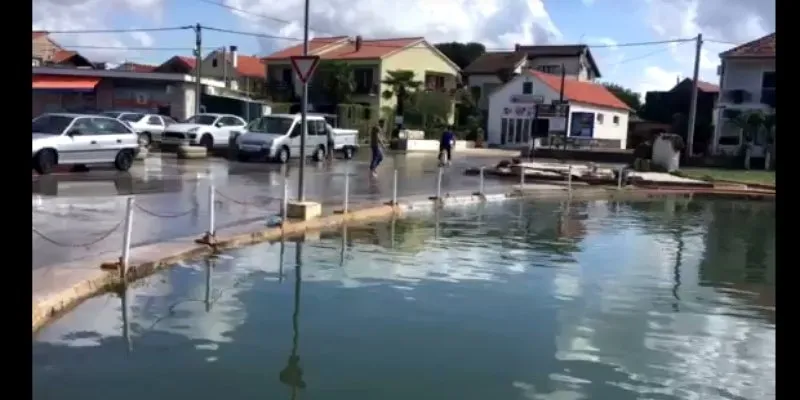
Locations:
45 51
747 84
491 70
241 73
370 60
517 111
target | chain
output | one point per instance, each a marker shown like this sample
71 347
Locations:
244 203
157 215
103 236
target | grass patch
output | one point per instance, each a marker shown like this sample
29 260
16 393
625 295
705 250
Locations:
744 176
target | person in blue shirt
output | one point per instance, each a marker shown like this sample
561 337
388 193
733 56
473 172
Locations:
446 145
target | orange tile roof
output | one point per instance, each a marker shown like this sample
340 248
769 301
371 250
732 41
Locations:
314 45
580 91
250 66
761 47
189 61
37 34
346 50
63 55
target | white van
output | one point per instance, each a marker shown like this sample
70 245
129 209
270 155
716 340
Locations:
277 136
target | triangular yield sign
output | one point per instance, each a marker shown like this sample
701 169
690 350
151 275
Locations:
304 66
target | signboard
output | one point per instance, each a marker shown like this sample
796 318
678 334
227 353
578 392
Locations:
304 66
582 125
526 99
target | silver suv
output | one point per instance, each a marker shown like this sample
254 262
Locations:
81 139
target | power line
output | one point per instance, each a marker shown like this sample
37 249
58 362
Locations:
131 30
722 42
641 57
126 48
252 34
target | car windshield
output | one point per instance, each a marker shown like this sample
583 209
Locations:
112 114
51 124
131 117
277 125
201 119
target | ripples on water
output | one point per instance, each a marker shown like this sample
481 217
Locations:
658 300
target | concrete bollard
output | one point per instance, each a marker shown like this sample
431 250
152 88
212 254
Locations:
211 210
126 239
394 188
439 183
285 205
346 193
480 191
569 180
521 177
619 178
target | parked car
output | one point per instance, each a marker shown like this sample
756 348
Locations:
277 137
207 130
81 139
148 126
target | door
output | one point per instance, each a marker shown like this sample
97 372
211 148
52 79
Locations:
111 137
294 139
519 138
82 144
316 135
511 131
154 125
227 126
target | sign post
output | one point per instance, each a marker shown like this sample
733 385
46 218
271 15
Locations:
304 67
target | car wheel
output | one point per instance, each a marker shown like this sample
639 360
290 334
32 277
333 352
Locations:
283 155
319 154
124 160
348 153
44 161
145 139
208 142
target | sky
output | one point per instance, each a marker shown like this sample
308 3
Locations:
498 24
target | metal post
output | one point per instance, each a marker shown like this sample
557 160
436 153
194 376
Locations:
521 177
301 188
211 211
208 285
394 188
481 187
285 204
569 180
346 193
439 184
693 100
126 239
198 54
619 178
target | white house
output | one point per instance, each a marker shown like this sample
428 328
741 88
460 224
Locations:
490 70
593 114
747 83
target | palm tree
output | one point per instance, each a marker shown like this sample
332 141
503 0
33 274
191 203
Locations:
338 82
399 82
769 126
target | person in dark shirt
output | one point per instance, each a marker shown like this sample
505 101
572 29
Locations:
331 143
376 145
446 145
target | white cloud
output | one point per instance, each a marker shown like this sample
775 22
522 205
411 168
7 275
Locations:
144 39
609 58
655 78
93 14
496 23
588 3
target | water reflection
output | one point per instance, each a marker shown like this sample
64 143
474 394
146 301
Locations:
602 300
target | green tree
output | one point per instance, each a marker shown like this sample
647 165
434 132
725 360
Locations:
629 97
338 82
399 81
462 54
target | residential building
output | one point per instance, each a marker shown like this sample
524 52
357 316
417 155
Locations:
241 73
57 89
371 60
672 107
492 69
45 51
747 83
517 111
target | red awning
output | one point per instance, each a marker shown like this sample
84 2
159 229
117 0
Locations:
58 82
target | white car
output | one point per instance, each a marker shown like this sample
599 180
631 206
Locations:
81 139
148 126
277 136
207 130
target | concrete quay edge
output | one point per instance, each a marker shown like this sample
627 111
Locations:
83 279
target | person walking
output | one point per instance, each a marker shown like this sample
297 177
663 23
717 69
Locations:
446 146
331 144
376 145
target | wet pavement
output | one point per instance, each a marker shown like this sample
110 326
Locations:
80 215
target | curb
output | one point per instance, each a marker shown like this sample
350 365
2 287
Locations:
101 279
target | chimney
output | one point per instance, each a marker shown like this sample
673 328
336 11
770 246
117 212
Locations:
516 47
234 56
359 39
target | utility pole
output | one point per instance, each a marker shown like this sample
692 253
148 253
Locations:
301 188
198 57
693 102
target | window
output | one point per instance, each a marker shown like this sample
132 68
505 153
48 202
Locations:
84 126
202 119
230 121
51 124
154 120
316 128
131 117
168 120
296 130
476 92
599 118
503 130
364 79
286 75
768 80
108 126
527 88
549 69
276 125
214 63
616 120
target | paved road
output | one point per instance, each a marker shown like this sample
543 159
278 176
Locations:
72 211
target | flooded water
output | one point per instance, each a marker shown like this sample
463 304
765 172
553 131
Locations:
598 300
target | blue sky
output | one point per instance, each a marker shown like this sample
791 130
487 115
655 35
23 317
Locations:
496 23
